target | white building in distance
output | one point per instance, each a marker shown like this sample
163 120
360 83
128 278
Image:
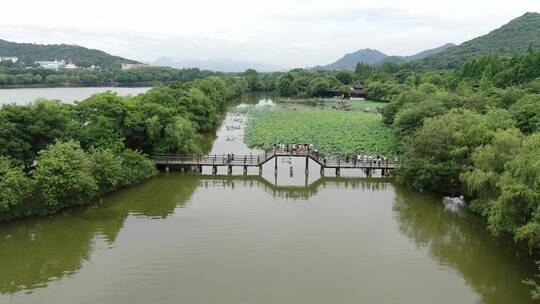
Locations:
134 66
51 65
9 58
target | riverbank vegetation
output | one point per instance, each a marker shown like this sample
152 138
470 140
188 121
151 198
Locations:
54 155
13 76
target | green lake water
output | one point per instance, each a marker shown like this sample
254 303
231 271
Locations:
285 238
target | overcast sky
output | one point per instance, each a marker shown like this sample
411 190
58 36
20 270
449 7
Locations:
282 33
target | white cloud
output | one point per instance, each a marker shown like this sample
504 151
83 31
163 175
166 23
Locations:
284 33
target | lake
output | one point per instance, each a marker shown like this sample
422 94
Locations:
68 95
276 238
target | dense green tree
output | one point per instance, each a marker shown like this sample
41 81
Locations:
504 98
286 85
64 175
319 87
406 97
25 130
435 156
517 210
136 167
144 125
535 284
99 133
433 78
345 77
412 116
106 169
527 113
162 97
363 71
15 186
202 111
481 181
254 80
180 137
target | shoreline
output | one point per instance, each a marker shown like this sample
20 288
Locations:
137 85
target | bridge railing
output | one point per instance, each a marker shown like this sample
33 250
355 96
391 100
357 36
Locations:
356 163
259 159
208 159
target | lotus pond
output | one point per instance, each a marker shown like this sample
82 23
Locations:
333 132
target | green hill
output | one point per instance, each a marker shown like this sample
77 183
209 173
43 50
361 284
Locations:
375 57
349 61
81 56
513 38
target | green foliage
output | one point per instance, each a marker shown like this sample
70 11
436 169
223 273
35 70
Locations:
412 117
108 105
136 167
100 133
435 156
333 132
286 86
517 209
203 111
384 91
180 137
15 186
253 79
63 175
405 97
482 179
319 87
514 37
91 148
363 70
25 130
345 77
535 285
527 113
35 76
105 169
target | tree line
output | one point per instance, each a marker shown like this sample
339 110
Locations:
15 75
54 155
467 132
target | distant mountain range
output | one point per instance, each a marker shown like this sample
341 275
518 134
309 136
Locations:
517 36
81 56
222 65
421 55
375 57
513 38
